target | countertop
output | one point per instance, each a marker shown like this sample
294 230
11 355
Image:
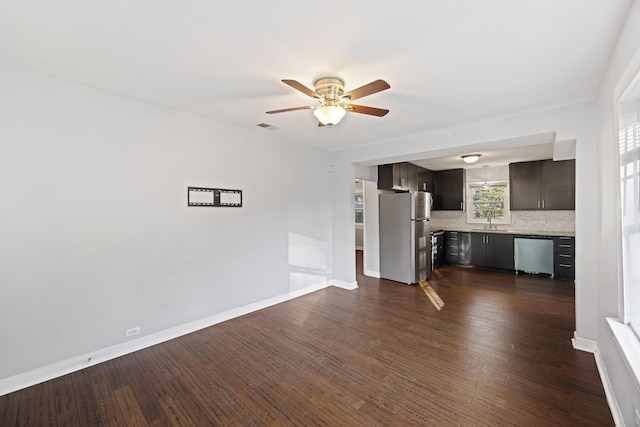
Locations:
480 229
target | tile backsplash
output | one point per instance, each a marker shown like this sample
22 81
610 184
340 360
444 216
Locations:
541 221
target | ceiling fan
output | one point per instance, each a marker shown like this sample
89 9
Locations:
333 103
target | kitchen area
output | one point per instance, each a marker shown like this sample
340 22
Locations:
517 218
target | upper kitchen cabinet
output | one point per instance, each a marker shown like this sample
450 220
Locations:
404 177
393 176
448 190
558 184
425 180
524 186
542 185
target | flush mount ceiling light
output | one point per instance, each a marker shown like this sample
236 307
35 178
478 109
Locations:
471 158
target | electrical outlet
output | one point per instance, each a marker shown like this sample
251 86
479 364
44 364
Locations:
132 331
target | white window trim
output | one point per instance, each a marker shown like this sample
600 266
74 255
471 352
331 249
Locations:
628 344
507 204
625 337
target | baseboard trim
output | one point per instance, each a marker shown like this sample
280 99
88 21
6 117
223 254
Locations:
616 413
584 344
345 285
372 273
76 363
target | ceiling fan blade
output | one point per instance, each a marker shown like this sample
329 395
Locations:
308 107
372 111
299 86
368 89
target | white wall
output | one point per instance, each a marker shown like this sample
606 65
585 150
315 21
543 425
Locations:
625 390
371 254
95 234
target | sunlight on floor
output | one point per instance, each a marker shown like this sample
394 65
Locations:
433 296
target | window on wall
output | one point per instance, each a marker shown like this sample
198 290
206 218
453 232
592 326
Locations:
359 206
629 147
486 199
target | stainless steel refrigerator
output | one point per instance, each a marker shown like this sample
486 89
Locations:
405 243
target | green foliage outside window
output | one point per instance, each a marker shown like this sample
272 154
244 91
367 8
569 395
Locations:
488 200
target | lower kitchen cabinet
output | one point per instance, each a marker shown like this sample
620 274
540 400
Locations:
496 251
452 247
564 257
457 247
492 250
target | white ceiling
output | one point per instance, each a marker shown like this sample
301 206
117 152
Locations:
490 158
447 62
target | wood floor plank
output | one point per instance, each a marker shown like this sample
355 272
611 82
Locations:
108 408
45 406
498 352
87 406
129 407
66 410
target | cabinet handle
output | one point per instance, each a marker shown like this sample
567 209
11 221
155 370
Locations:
542 203
564 255
565 265
565 246
564 238
538 204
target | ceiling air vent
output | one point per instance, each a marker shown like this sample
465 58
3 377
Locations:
268 126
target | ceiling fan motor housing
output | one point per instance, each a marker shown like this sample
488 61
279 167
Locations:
329 89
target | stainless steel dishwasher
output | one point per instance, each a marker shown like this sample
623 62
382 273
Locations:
533 254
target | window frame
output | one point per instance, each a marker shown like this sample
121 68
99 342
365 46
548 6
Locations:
469 202
627 340
629 157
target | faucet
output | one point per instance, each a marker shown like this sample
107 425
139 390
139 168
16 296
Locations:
490 227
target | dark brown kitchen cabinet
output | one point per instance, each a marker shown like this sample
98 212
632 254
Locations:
412 176
448 190
564 254
452 241
558 184
492 250
524 186
542 185
394 176
404 176
457 247
425 180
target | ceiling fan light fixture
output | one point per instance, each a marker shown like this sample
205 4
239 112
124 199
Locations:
329 115
471 158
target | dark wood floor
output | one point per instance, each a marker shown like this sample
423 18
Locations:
497 353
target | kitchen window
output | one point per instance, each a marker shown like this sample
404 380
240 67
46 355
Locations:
488 198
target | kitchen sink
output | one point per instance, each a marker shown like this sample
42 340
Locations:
489 231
